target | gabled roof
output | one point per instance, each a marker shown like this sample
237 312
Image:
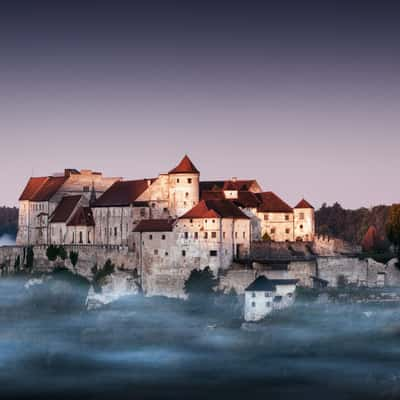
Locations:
122 193
263 284
215 209
64 209
42 188
83 216
212 195
304 204
155 225
185 167
270 202
243 184
247 200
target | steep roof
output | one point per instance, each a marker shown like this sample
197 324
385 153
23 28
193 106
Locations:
185 167
247 200
212 195
83 216
242 184
304 204
64 209
216 209
42 188
264 284
122 193
270 202
155 225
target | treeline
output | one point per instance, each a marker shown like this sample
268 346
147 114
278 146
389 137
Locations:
8 220
351 225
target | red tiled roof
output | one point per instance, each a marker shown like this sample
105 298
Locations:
42 188
270 202
215 209
185 167
122 193
212 195
304 204
243 184
64 209
247 200
83 216
155 225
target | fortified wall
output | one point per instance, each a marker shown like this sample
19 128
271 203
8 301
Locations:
285 260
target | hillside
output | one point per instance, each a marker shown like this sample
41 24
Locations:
8 220
350 225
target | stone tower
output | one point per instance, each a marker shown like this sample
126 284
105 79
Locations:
183 183
304 221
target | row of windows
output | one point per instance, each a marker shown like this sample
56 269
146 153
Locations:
189 180
213 253
266 294
38 207
287 217
267 304
287 230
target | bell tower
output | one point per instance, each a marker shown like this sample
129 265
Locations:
183 183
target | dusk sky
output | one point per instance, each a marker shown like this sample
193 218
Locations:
304 96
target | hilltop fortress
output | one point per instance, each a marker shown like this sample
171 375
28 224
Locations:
156 231
173 219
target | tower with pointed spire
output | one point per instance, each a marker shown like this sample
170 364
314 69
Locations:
183 183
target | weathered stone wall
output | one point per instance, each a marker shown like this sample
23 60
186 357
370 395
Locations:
326 246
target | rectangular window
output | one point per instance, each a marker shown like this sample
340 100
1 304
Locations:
253 303
244 235
166 253
150 237
235 235
155 252
196 235
183 253
267 304
287 230
265 217
301 215
86 189
287 217
186 235
223 235
266 294
273 230
213 253
142 212
205 235
253 294
213 235
115 231
163 237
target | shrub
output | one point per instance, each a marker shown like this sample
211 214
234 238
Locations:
52 253
30 256
62 253
73 257
100 274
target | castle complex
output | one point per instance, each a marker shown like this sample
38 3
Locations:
174 219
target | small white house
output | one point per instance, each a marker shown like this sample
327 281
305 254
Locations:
265 295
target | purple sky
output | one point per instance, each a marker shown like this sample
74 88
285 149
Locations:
306 99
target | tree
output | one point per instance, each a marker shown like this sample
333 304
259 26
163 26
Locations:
200 283
73 257
30 256
393 228
52 253
62 253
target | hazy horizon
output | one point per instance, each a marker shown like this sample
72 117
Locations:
305 98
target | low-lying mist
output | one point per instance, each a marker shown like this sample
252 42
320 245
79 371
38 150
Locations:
140 348
7 240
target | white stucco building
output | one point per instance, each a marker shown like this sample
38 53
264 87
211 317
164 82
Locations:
207 223
265 295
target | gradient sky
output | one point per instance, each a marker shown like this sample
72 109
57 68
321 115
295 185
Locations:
302 96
